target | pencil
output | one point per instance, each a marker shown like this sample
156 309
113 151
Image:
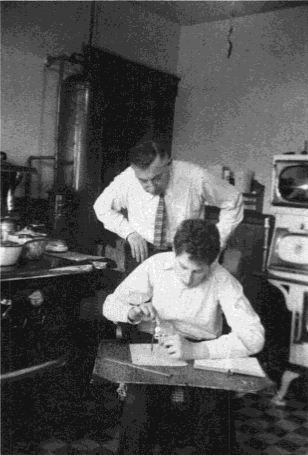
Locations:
138 367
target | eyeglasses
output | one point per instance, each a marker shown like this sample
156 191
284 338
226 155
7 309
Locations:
157 178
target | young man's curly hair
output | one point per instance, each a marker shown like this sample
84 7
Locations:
198 238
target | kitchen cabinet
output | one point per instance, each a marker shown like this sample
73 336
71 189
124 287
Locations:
128 102
40 308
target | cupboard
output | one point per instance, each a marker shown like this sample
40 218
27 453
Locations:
127 102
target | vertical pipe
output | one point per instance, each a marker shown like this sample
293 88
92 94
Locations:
32 158
72 145
266 242
92 25
57 135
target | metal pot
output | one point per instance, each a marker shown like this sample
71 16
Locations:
11 176
35 248
34 245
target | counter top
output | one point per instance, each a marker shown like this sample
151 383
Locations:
56 264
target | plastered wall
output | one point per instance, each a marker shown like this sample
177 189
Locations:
33 30
237 112
240 111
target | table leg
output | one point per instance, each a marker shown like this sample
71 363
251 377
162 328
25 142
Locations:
134 434
213 422
287 377
146 421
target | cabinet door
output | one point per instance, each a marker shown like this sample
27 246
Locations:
128 102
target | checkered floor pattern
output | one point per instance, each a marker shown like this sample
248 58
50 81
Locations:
262 428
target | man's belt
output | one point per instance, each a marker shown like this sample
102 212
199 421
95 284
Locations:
194 340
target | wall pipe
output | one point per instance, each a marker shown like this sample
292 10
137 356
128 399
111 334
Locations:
92 23
30 159
57 135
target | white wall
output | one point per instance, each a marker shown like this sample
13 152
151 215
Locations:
131 31
30 32
33 30
241 111
237 112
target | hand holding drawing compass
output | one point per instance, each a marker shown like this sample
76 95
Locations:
141 308
157 334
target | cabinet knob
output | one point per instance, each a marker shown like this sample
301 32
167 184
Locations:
36 298
297 328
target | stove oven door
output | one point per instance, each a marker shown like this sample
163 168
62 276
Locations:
35 328
289 252
296 295
299 340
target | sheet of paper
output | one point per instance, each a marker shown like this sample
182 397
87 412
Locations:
142 355
245 365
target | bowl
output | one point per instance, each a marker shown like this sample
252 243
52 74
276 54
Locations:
9 253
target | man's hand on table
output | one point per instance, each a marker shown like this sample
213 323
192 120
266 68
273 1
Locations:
138 246
177 346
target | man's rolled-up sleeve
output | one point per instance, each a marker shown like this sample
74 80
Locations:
109 204
221 194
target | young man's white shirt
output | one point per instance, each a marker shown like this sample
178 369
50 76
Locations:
192 312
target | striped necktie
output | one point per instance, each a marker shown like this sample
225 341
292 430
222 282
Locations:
160 229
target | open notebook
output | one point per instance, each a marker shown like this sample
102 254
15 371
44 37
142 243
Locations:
244 365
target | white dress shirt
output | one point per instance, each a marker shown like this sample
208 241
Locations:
190 188
193 312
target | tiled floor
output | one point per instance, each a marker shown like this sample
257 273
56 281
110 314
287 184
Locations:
91 428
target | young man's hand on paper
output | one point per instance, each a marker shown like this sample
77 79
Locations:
177 346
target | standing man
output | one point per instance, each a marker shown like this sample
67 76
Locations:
158 194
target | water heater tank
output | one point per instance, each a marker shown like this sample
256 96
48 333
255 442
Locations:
71 163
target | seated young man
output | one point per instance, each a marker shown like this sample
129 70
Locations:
187 291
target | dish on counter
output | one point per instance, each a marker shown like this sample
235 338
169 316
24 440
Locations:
29 232
57 246
100 264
